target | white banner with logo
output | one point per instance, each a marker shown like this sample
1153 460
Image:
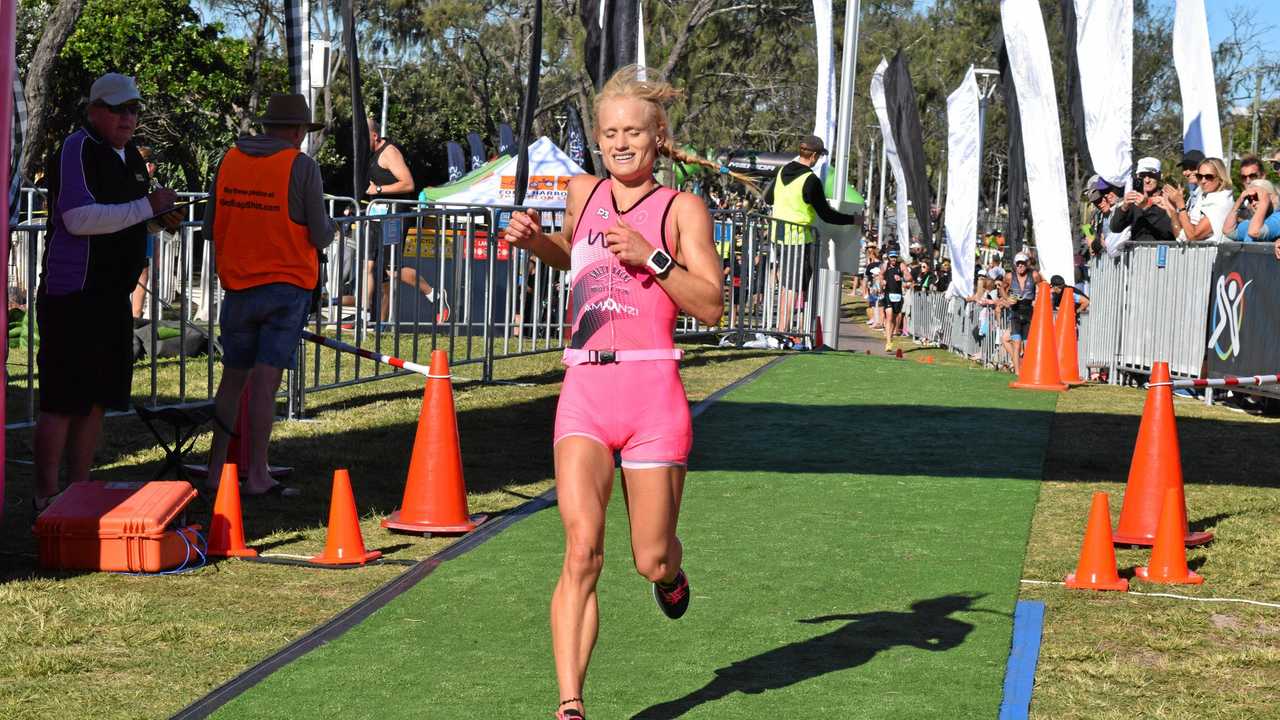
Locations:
964 166
1041 134
1104 51
1193 58
891 153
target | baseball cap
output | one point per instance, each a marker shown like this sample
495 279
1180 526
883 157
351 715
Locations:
1021 257
1057 281
1191 159
114 89
1148 165
813 143
893 253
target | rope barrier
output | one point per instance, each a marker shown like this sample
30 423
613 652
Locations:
1171 595
393 361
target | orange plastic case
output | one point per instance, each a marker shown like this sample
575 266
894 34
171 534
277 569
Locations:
117 527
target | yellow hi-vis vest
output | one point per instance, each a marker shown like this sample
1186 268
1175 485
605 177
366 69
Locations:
789 205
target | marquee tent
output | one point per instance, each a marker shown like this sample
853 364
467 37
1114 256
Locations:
494 182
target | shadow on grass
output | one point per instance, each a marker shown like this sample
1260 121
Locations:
929 626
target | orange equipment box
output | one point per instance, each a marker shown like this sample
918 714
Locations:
117 527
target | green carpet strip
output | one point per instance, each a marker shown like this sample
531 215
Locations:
854 531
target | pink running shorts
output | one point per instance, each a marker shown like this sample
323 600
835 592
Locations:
638 408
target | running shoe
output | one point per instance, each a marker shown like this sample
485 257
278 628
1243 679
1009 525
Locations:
442 315
570 714
673 600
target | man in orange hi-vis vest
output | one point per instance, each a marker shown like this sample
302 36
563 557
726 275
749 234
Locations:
267 219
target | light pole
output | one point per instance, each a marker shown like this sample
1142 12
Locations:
986 88
384 72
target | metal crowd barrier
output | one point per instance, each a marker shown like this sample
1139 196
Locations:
951 322
501 301
1151 303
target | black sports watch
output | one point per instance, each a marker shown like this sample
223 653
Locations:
660 262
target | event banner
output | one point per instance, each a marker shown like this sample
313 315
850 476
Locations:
1104 48
1032 71
901 225
963 165
1244 300
1193 59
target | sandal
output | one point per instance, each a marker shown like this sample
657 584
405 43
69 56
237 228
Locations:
279 490
40 504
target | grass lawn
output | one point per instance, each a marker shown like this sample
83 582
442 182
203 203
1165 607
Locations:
854 551
111 646
1108 655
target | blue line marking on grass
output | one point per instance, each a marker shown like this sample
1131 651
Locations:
1020 673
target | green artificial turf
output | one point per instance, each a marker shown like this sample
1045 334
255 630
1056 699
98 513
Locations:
854 530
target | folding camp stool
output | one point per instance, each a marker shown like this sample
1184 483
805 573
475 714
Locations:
183 424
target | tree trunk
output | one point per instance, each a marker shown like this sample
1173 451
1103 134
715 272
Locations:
39 81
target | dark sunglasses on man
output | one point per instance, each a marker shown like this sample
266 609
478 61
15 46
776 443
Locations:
132 108
1275 165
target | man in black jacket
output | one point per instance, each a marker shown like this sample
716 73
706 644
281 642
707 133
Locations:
1145 211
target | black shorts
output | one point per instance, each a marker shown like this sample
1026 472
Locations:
86 352
375 240
885 303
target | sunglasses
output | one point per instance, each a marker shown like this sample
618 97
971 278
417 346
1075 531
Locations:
1250 176
1204 176
129 108
1275 165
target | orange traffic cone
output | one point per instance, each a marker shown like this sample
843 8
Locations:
1169 556
1040 358
226 529
1156 467
344 545
1068 342
898 353
1096 569
817 334
435 496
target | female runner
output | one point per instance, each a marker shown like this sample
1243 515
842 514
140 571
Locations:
638 253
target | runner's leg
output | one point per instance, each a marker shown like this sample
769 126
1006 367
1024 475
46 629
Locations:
584 481
653 507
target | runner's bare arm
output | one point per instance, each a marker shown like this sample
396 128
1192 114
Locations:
525 229
695 283
394 162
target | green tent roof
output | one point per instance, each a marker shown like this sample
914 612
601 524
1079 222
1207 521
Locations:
441 192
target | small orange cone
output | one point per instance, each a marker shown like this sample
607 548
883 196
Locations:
344 545
817 334
1096 569
1068 342
435 496
898 353
1156 468
1168 564
1040 359
226 529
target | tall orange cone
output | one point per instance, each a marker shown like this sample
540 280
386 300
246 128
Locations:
1040 358
435 496
238 446
344 544
1096 569
1068 341
1169 556
226 529
1156 467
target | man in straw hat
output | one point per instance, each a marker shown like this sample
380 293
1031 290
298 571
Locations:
100 203
267 219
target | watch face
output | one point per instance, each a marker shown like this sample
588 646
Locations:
660 261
